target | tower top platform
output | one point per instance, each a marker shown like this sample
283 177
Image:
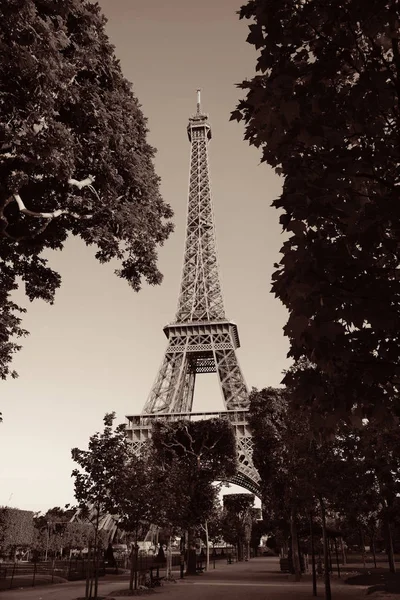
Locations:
199 122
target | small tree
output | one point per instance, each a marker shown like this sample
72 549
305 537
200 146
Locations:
277 459
211 530
369 492
52 529
297 471
237 520
137 498
258 529
100 470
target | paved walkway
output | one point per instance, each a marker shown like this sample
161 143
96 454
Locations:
260 578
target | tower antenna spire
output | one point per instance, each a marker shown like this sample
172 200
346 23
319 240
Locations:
198 102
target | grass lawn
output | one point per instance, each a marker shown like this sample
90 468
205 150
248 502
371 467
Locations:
377 580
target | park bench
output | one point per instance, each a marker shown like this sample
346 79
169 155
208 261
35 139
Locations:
199 568
155 580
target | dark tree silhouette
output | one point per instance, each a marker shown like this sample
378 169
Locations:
325 110
195 453
73 155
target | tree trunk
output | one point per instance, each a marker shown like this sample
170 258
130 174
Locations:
337 558
191 554
207 548
132 569
91 574
390 553
169 559
240 549
344 558
314 571
96 552
327 580
362 547
132 573
295 546
133 578
136 560
373 548
87 571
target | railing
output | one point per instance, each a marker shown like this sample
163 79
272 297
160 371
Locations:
29 574
145 420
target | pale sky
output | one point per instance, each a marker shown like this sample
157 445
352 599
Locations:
98 348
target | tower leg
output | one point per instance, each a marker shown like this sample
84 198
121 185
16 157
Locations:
232 383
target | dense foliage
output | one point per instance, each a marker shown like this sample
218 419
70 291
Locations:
204 451
237 520
195 454
324 109
349 483
16 531
73 155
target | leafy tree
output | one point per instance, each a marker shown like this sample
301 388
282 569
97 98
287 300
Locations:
211 530
16 530
237 520
258 529
214 525
278 460
54 514
137 499
195 453
78 536
324 109
53 530
100 469
373 483
56 533
73 155
299 472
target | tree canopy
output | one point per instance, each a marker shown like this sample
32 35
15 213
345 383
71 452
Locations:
74 158
100 467
194 454
16 529
324 109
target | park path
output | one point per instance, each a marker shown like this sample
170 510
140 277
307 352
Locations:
258 578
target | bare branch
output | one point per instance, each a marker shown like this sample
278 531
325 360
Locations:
189 436
83 183
46 215
87 182
176 444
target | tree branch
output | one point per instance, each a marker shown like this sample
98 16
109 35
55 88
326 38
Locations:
47 215
87 182
83 183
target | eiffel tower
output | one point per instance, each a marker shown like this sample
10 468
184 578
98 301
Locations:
201 339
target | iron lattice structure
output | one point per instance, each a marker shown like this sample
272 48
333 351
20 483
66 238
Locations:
202 339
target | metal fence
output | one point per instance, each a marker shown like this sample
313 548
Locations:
28 574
